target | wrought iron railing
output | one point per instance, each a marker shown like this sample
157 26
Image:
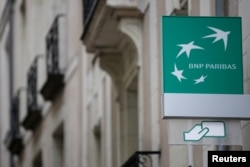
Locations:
141 159
13 139
55 58
33 115
15 116
52 49
32 86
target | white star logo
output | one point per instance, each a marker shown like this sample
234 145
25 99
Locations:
201 79
219 34
178 73
187 48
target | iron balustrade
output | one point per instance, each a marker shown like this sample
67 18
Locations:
52 49
13 140
32 86
141 159
55 58
33 116
15 116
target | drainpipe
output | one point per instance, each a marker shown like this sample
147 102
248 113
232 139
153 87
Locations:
220 8
11 69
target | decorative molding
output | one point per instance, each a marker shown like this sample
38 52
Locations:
143 5
112 64
123 3
132 27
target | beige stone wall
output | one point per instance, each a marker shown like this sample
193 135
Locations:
33 20
111 103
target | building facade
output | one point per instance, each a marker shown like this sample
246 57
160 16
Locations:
81 82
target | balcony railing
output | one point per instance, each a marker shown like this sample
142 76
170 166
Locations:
33 116
14 141
88 11
55 73
141 159
52 49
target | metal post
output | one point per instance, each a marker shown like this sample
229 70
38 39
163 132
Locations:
220 7
223 148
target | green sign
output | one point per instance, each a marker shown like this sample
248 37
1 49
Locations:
202 55
202 68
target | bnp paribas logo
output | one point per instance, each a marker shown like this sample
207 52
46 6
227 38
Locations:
186 49
202 55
